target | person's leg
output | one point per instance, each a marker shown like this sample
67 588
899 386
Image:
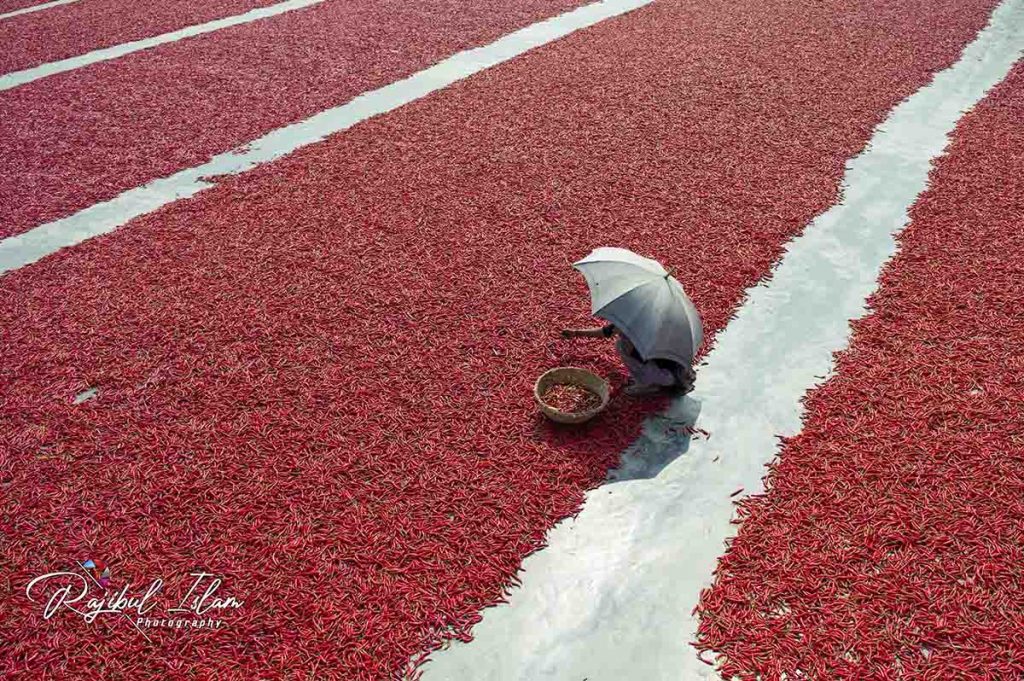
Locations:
634 365
648 377
650 373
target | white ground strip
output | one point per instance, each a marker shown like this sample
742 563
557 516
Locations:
16 78
23 249
35 8
611 597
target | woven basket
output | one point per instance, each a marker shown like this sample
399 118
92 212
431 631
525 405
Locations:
572 376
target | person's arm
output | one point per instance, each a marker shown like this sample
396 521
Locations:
606 331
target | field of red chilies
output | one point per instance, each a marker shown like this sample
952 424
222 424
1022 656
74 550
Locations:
315 379
889 542
76 138
80 27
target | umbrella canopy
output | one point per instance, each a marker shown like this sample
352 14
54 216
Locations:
644 302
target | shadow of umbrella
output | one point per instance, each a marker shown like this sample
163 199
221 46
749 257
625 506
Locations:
663 439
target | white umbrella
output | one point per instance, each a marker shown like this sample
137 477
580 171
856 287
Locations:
644 302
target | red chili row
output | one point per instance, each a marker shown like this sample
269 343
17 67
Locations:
889 542
74 29
74 139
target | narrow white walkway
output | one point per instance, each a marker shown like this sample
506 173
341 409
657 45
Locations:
611 597
35 8
16 78
26 248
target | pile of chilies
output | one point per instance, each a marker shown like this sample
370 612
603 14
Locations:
571 398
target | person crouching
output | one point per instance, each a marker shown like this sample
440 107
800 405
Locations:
649 377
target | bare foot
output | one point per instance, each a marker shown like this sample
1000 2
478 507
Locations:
641 390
